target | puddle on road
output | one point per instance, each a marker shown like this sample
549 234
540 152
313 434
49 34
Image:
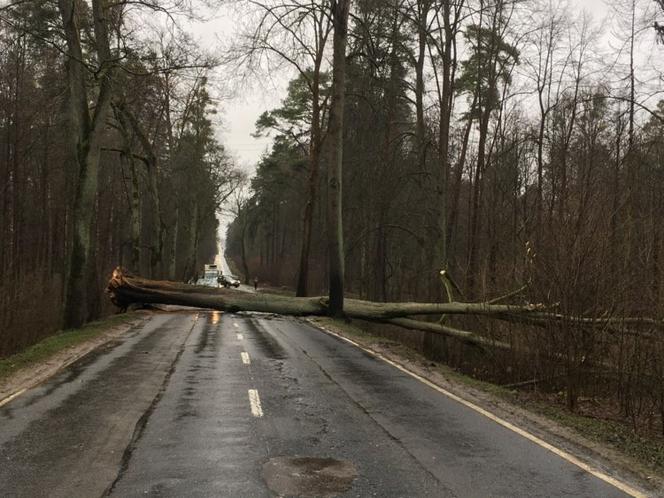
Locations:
308 476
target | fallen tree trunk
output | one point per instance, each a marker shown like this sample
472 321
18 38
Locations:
437 328
125 289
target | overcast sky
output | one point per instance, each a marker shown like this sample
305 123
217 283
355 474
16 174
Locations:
239 113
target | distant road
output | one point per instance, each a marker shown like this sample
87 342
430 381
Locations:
213 404
226 270
221 260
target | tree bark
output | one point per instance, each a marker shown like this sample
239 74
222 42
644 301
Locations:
302 288
192 261
340 11
423 7
476 206
151 164
243 248
125 289
174 250
85 132
458 177
446 100
135 210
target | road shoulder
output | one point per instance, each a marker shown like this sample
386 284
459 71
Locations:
500 403
39 362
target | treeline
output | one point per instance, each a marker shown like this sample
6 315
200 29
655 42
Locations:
107 157
488 139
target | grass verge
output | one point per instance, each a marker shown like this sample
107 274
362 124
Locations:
59 341
646 453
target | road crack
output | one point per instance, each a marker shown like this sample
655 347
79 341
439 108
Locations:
391 436
139 428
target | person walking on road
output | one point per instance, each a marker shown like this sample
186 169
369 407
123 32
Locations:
255 283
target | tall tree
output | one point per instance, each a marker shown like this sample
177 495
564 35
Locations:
546 41
339 10
294 35
489 64
444 41
87 123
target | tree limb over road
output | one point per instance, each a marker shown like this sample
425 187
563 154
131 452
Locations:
126 289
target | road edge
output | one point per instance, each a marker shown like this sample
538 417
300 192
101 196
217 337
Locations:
46 368
582 461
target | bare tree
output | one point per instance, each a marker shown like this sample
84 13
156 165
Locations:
239 206
444 40
490 63
294 34
546 41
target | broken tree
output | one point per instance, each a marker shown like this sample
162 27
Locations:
126 289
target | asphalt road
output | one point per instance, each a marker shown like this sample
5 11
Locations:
213 404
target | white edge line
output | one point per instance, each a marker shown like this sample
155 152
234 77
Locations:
625 488
12 396
245 358
255 402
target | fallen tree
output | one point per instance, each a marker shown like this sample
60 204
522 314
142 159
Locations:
126 289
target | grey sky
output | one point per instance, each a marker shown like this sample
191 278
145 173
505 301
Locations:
239 113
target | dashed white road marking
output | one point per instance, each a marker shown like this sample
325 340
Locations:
236 325
11 397
239 337
245 358
624 487
255 403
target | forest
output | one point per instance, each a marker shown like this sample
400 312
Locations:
108 157
506 153
516 146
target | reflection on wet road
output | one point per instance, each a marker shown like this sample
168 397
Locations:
212 404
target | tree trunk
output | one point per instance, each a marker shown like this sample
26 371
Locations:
446 100
135 210
191 271
302 287
474 232
458 177
243 249
340 11
85 135
420 127
174 249
151 164
125 289
540 174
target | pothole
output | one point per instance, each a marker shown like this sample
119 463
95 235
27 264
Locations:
308 476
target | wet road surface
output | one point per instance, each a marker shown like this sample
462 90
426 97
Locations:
211 404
